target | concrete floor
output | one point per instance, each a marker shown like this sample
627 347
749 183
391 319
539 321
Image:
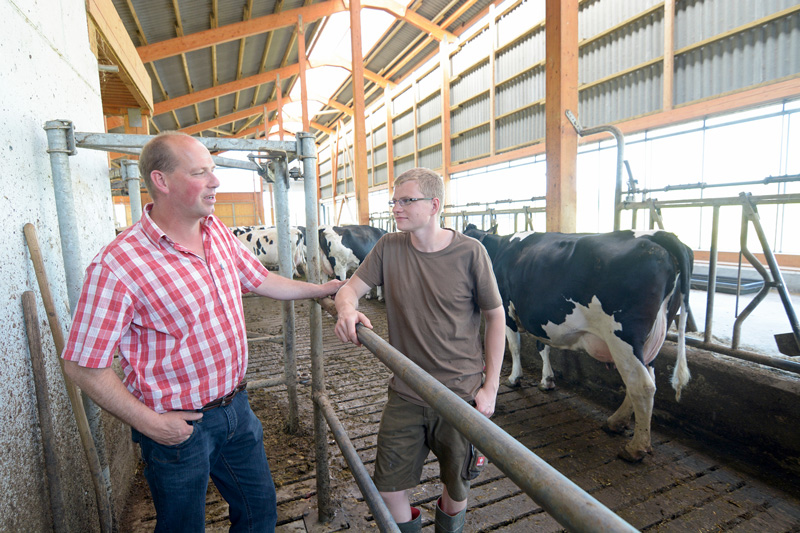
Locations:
758 330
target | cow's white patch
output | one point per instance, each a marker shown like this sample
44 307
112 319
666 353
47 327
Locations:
263 242
343 256
587 328
521 235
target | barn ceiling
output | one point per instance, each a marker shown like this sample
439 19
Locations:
215 64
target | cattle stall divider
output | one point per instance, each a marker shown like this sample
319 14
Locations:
789 343
63 142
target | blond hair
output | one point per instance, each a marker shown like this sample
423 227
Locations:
430 183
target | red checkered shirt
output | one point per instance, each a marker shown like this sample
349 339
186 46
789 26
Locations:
177 320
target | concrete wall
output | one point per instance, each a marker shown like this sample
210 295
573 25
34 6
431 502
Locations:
49 73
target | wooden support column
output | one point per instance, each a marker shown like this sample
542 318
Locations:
444 66
279 113
335 168
359 126
561 94
492 82
302 62
387 98
668 75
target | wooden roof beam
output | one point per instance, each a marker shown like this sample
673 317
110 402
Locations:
232 117
226 88
238 30
410 16
347 65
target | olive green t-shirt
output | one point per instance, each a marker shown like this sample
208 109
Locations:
433 304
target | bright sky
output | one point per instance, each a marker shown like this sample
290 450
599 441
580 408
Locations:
334 42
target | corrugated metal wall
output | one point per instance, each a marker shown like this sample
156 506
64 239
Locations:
497 73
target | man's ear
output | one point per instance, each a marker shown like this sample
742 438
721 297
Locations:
159 181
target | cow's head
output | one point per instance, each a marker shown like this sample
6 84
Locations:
472 231
489 239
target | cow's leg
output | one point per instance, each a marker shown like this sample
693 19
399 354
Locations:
548 378
621 419
512 336
379 290
639 392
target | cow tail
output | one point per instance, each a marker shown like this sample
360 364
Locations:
684 259
681 374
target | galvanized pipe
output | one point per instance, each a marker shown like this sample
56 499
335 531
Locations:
287 306
620 138
565 501
778 283
60 145
373 498
712 275
265 383
118 142
307 155
130 173
59 150
766 360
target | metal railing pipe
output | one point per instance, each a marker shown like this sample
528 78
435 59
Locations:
712 275
61 145
620 138
287 306
373 498
130 173
306 151
565 501
753 357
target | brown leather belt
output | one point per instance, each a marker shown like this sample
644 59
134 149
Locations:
225 400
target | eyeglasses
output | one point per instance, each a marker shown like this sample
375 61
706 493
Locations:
403 202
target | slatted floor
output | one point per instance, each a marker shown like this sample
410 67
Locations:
677 488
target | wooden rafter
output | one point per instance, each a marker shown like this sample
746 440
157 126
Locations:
214 23
256 111
179 32
239 30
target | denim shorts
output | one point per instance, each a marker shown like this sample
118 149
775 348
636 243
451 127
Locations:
407 433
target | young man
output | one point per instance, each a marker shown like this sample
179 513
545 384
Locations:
437 282
167 293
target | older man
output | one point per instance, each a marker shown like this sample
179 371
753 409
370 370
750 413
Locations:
166 293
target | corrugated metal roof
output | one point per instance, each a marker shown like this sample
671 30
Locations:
219 63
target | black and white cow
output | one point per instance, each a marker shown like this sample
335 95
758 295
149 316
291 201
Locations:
263 242
612 295
344 247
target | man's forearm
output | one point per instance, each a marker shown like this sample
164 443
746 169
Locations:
106 389
494 346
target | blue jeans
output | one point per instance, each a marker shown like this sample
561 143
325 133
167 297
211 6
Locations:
227 444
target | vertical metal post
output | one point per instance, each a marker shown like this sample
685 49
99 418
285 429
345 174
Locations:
620 138
61 145
306 149
772 263
712 275
130 173
60 148
285 262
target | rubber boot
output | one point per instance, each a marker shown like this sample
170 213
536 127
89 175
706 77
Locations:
449 524
414 525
